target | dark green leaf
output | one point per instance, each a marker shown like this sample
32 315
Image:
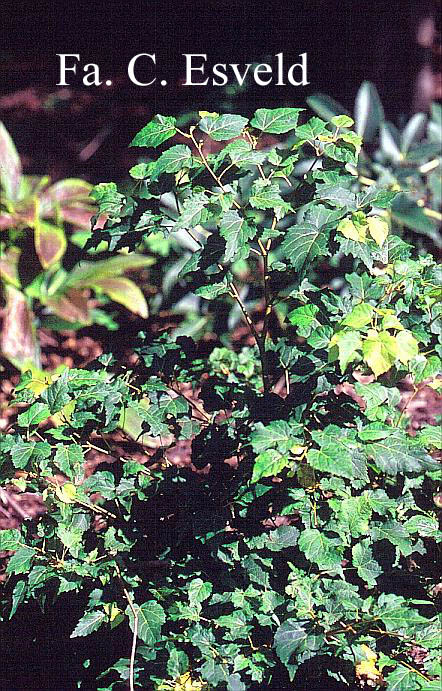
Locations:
171 161
289 637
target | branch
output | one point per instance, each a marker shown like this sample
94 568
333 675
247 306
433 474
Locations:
258 337
135 631
207 166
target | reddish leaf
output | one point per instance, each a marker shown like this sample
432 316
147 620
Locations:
6 221
9 266
69 198
18 341
72 307
10 166
80 217
68 190
50 243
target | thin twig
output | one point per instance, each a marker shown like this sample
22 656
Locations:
193 403
135 631
287 380
268 304
207 166
404 409
258 337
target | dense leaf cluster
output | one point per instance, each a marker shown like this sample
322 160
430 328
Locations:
294 532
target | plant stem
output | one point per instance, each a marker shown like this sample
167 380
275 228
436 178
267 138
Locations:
209 169
194 404
404 409
257 336
135 631
268 305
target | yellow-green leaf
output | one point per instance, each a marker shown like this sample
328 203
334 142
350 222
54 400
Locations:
351 231
378 229
206 114
66 493
360 316
390 321
348 229
380 351
408 347
124 291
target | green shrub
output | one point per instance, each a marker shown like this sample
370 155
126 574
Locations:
309 532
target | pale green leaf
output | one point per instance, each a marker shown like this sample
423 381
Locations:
236 232
155 132
342 121
276 120
223 127
269 463
344 346
9 539
367 567
90 622
151 616
360 316
199 591
407 346
312 129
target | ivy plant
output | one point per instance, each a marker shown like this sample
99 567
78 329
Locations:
302 527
